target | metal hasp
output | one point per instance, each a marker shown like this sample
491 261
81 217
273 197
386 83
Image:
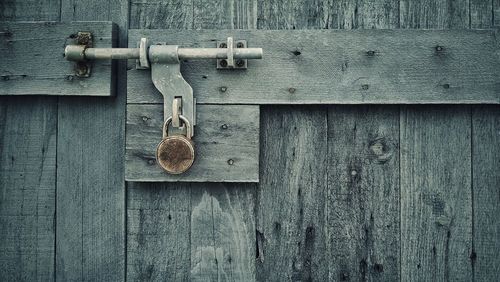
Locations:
179 104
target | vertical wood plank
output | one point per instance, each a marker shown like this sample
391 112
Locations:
363 193
436 210
90 174
363 172
215 223
486 192
485 256
291 198
290 207
28 138
27 188
436 201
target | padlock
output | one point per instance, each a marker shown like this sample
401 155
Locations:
175 154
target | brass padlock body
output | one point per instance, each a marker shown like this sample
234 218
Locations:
175 154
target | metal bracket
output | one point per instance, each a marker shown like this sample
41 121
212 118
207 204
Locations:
230 63
83 68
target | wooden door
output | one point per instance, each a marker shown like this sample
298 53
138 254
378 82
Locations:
360 192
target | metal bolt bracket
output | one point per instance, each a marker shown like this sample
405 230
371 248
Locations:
230 62
84 40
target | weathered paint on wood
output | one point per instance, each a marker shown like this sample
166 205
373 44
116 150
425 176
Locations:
28 129
33 60
27 189
226 144
338 67
91 209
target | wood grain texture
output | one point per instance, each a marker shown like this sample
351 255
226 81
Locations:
374 66
484 257
292 193
30 10
486 192
443 14
363 172
223 233
158 231
27 189
33 62
436 198
436 203
226 144
28 130
193 254
363 193
90 176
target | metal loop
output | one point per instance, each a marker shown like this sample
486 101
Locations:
176 112
168 121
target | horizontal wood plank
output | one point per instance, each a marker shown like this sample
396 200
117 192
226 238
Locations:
226 144
337 67
33 60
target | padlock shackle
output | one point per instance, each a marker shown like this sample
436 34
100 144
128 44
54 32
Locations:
187 124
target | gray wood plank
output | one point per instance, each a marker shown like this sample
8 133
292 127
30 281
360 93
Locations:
486 192
292 193
27 189
33 61
404 68
363 193
226 144
363 172
223 233
28 128
290 209
90 176
443 14
436 204
30 10
485 257
158 231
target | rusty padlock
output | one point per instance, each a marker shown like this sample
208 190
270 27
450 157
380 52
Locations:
175 154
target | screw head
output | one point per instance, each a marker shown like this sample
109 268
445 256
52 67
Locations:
223 45
223 89
240 63
223 63
224 126
239 45
230 162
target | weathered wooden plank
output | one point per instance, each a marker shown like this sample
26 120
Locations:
339 67
444 14
223 233
436 204
30 10
158 236
363 193
485 257
486 192
226 144
27 170
291 197
90 176
33 62
27 189
363 172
